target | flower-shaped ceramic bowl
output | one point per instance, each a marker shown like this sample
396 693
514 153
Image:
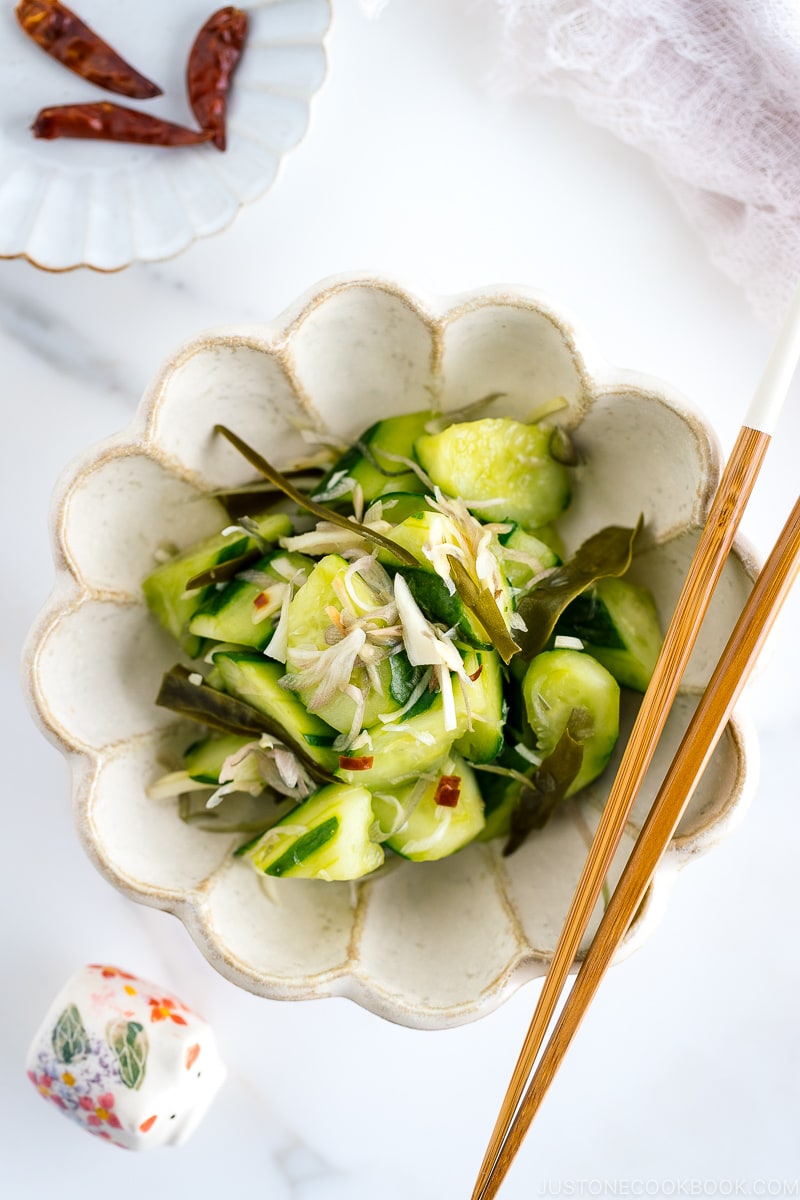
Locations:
427 945
65 203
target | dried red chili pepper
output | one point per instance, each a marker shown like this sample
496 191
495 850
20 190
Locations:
356 764
113 123
65 37
448 790
212 61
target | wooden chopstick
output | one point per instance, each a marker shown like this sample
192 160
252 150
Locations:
704 731
706 567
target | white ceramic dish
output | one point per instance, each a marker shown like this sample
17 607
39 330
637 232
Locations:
427 945
65 204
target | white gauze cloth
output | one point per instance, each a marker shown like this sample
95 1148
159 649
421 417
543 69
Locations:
710 89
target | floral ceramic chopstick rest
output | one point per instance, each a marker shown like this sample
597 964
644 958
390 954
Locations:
125 1059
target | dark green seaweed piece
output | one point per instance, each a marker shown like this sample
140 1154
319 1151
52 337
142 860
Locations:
220 711
255 500
608 552
549 784
319 510
482 604
237 812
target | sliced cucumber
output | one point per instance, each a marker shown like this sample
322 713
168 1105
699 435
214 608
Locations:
493 459
326 837
407 749
429 589
523 556
431 831
247 613
485 741
308 624
372 470
398 506
256 680
552 538
558 682
203 760
431 594
618 623
165 589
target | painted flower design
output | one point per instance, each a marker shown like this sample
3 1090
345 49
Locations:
357 350
100 1111
165 1010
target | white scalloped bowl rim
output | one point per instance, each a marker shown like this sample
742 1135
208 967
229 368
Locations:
420 975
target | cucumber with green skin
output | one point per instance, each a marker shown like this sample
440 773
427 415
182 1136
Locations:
484 741
560 682
398 506
395 435
407 749
498 459
232 614
431 595
330 835
203 760
428 588
308 625
432 831
165 588
256 680
518 541
618 623
325 837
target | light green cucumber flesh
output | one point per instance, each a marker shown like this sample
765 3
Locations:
236 612
497 458
484 741
555 683
325 837
256 680
618 623
432 831
203 760
428 588
165 588
406 750
308 624
396 435
540 557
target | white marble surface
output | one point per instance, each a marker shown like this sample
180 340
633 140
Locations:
685 1074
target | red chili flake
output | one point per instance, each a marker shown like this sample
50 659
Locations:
261 599
448 790
356 764
212 62
477 674
65 37
113 123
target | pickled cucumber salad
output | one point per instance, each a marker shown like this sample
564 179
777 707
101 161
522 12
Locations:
391 654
